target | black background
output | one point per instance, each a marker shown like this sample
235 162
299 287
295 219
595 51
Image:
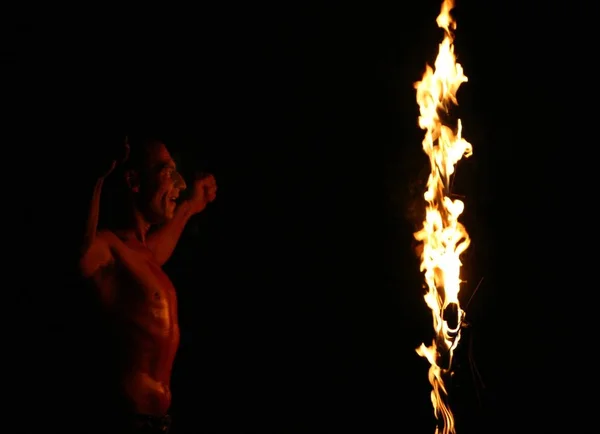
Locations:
300 298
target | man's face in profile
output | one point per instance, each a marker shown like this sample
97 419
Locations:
160 185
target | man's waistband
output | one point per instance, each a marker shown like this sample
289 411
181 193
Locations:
151 423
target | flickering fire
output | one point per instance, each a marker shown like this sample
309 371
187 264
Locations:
444 238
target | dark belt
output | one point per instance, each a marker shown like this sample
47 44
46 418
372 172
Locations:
150 424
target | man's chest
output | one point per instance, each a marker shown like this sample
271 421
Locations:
145 286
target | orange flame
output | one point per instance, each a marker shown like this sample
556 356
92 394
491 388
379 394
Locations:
444 237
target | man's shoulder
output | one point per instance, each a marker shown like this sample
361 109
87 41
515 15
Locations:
110 239
105 240
98 255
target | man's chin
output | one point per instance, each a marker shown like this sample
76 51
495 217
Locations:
168 214
161 218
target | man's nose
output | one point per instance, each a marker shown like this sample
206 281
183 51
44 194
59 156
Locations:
179 181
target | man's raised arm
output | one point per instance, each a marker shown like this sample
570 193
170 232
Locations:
95 251
163 240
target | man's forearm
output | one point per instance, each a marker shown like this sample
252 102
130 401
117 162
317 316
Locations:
93 215
163 240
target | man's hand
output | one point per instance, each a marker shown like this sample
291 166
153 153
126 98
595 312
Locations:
204 192
163 240
119 159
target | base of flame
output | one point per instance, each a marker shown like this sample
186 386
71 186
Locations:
440 359
440 355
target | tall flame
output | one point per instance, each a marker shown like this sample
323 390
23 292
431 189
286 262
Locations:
444 237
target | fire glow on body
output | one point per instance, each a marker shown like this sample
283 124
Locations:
444 238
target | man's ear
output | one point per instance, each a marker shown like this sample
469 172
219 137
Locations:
133 180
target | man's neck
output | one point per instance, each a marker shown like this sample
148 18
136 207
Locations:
138 228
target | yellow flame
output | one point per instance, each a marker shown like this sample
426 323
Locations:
444 237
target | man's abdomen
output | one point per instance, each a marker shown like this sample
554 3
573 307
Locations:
147 394
152 343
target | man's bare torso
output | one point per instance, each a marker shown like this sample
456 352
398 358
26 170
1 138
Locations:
141 303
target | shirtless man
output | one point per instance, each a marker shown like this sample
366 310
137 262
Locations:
137 298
